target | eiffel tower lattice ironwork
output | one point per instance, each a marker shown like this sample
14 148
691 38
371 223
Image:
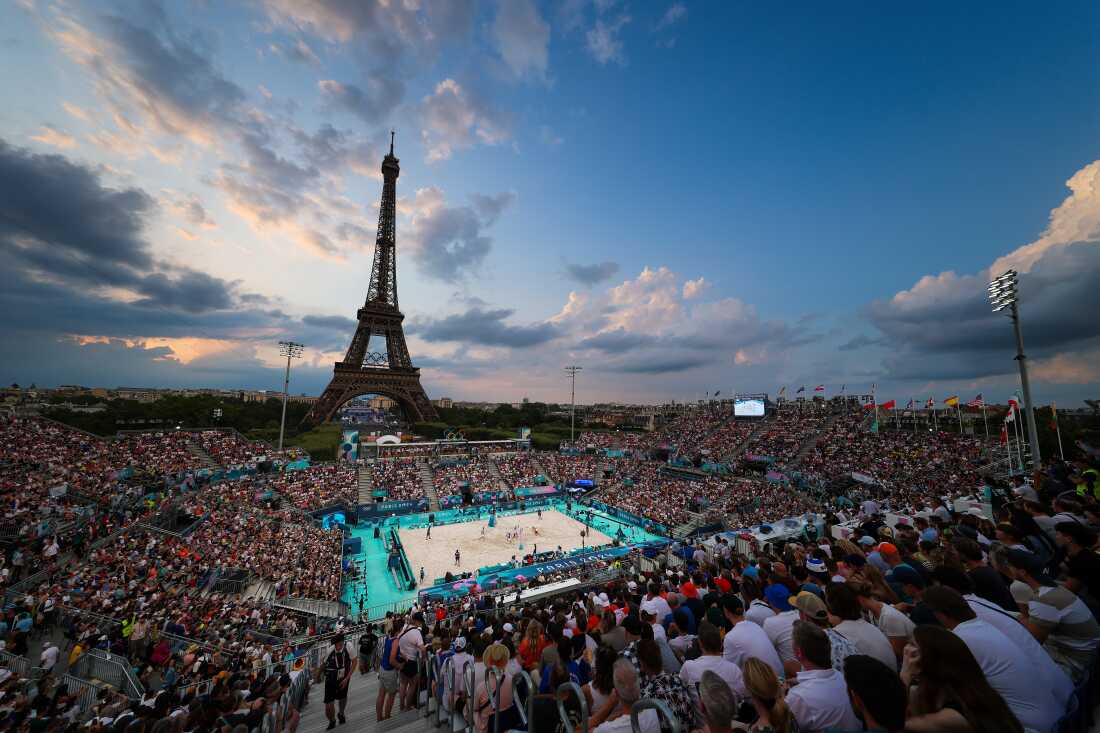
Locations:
390 373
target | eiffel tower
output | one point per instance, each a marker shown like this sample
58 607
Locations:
390 373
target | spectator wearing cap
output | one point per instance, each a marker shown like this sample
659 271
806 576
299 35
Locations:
655 603
632 632
746 639
868 639
1056 616
813 610
820 700
1082 562
897 627
711 660
647 617
778 627
1004 665
876 693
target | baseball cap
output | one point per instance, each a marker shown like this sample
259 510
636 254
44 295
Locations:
460 643
777 596
509 628
867 540
815 565
810 604
632 585
906 576
887 548
929 535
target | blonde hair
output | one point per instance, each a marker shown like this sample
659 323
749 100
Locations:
496 655
763 684
534 631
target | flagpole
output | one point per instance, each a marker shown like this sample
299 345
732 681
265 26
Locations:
914 403
984 423
1057 429
1016 428
959 411
897 419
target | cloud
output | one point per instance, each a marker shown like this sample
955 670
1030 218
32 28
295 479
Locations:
50 135
662 365
299 51
172 85
695 288
861 341
485 327
491 207
603 40
337 323
522 37
616 341
591 274
673 15
78 112
371 103
454 119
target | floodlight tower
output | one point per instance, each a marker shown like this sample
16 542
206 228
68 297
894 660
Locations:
290 350
1002 296
572 372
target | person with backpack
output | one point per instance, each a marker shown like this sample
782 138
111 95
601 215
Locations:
410 645
368 642
338 670
387 673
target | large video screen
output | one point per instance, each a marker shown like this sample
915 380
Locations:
748 408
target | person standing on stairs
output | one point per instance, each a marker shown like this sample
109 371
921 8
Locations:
338 669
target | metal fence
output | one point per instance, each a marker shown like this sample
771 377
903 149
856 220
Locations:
96 664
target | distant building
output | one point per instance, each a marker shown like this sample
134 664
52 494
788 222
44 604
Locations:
444 402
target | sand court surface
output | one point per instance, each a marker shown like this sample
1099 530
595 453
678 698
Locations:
437 555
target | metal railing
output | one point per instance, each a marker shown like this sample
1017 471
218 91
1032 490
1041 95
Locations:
663 711
96 664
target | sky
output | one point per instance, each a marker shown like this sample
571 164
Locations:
680 197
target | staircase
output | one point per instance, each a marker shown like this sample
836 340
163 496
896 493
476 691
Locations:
811 441
428 485
261 590
744 445
365 487
201 455
697 520
362 692
494 471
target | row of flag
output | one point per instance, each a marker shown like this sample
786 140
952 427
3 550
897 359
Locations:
952 401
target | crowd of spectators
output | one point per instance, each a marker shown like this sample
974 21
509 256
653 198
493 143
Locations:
399 477
953 623
518 469
783 436
321 485
450 476
565 468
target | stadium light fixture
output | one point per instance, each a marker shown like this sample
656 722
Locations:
572 372
290 350
1003 295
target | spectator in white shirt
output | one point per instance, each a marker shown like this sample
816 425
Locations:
849 623
895 625
778 629
746 639
711 660
1004 665
49 656
820 699
758 608
629 692
654 603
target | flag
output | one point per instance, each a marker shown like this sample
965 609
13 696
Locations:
1013 404
892 404
1004 432
869 406
952 401
801 389
1053 417
819 388
718 393
976 402
931 403
842 388
909 405
782 391
1011 416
